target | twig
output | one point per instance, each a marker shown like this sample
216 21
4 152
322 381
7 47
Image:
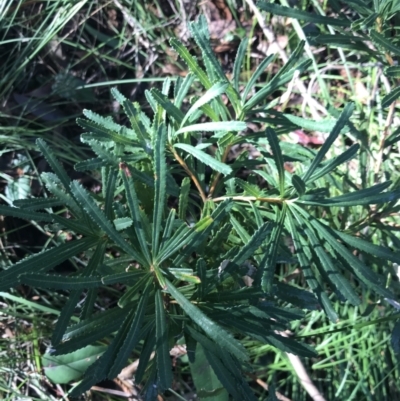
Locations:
190 174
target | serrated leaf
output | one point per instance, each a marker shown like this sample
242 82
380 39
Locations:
37 203
302 15
58 282
129 335
164 365
268 263
131 110
213 330
205 158
191 62
341 122
100 219
133 203
331 271
69 307
25 214
168 106
127 278
364 273
391 97
306 268
298 184
90 164
381 41
278 158
357 198
199 30
160 170
100 133
184 198
145 355
393 71
77 226
44 261
249 249
54 163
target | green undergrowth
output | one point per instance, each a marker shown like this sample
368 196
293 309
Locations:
201 221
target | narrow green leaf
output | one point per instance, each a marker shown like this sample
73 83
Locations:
330 165
66 313
341 122
278 158
109 186
216 90
78 226
213 330
393 71
127 278
268 264
145 355
366 246
167 105
37 203
132 110
302 15
298 184
381 41
368 196
205 158
250 248
25 214
90 164
391 97
201 269
182 89
160 170
184 198
239 61
100 219
101 134
44 261
191 62
260 69
133 204
274 84
199 30
164 365
214 126
364 273
54 163
331 271
57 282
315 286
129 336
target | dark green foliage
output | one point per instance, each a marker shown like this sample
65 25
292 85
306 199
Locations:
205 273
